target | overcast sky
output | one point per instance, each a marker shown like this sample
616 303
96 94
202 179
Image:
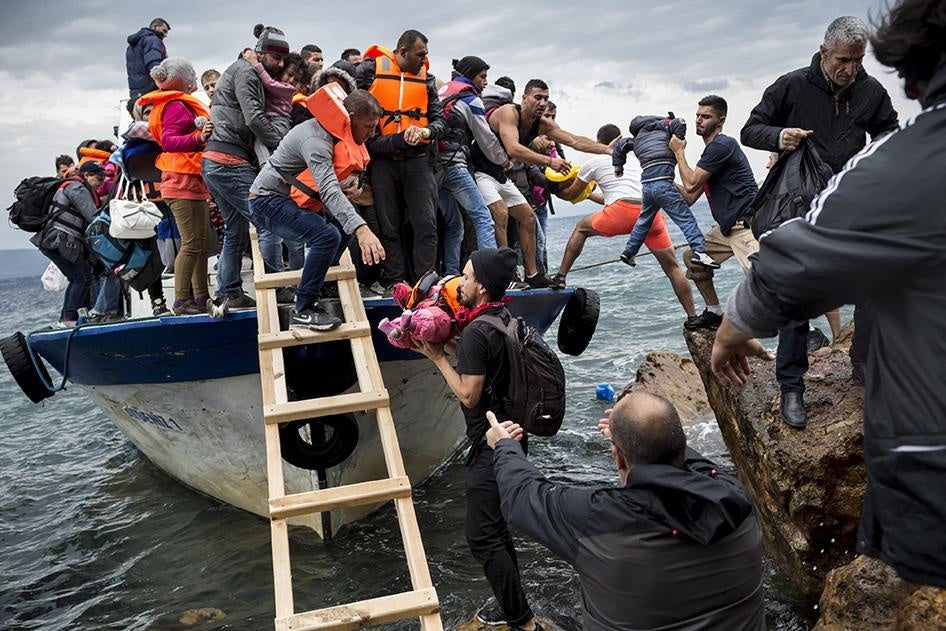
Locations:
62 64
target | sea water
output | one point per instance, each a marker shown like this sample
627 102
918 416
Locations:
94 537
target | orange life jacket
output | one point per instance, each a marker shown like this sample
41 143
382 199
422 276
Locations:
403 95
298 97
178 162
348 157
90 154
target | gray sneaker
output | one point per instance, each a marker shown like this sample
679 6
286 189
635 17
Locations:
315 318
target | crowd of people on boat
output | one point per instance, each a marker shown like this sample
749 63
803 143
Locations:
414 174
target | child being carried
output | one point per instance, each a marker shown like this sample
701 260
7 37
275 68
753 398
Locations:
650 143
279 94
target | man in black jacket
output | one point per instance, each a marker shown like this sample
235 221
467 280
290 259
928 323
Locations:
832 103
676 546
877 233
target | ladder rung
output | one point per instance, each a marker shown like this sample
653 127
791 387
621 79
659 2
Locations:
364 613
325 406
285 279
339 496
301 337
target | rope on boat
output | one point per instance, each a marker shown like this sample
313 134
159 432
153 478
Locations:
676 246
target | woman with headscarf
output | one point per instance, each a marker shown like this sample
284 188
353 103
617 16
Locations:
181 125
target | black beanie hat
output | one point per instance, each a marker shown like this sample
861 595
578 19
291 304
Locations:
470 66
494 269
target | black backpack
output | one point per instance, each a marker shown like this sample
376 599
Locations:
34 206
793 181
536 397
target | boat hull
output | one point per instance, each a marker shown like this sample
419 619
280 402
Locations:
186 392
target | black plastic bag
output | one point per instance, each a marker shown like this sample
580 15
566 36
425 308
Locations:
794 180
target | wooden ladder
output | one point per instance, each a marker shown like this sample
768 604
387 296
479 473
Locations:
422 601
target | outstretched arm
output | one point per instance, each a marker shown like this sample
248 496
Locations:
582 143
505 122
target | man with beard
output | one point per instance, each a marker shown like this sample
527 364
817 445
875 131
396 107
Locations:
479 381
402 169
516 126
723 173
228 164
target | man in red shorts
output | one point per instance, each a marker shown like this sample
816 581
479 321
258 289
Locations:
621 197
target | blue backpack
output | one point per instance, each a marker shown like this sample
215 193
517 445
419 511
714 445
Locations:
135 261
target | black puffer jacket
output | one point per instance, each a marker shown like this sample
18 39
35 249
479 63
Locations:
650 142
803 98
675 548
877 234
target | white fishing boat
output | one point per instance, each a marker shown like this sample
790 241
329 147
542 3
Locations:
185 390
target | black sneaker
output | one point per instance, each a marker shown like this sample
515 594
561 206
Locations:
242 301
703 259
706 320
817 339
491 615
557 282
284 296
628 259
315 318
538 281
159 307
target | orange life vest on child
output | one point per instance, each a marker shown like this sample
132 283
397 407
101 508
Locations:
298 97
178 162
348 157
403 95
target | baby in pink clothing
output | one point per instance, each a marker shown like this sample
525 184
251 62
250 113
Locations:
278 106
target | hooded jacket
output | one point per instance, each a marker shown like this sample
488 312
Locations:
650 143
803 98
465 114
878 234
238 113
675 548
145 51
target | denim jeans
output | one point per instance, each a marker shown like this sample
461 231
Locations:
664 194
79 289
458 183
325 239
541 225
106 289
230 186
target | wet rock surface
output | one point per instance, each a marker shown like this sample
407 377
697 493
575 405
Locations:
867 594
807 484
676 379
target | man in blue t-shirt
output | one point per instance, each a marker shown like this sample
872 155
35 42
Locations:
723 173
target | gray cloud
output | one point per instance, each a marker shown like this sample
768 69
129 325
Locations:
64 73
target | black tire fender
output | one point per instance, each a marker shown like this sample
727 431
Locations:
578 322
16 354
334 438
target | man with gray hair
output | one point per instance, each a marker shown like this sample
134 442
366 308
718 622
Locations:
676 545
832 103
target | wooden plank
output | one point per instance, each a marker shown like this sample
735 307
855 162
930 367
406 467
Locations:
292 277
365 613
325 406
301 337
339 496
282 570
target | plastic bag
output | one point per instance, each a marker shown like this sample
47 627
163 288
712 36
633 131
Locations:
794 180
53 279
